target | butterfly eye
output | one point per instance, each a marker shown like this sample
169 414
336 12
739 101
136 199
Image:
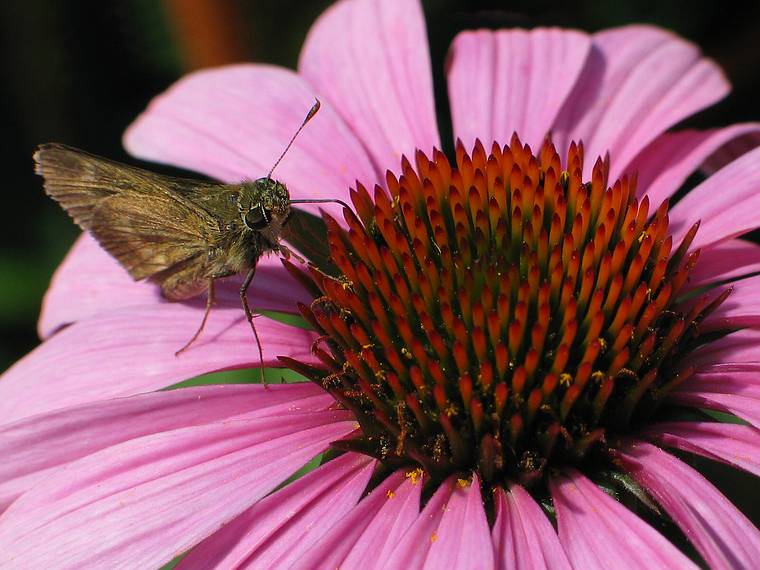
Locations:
257 218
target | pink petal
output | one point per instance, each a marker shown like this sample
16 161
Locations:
667 162
87 282
34 447
523 537
743 406
394 496
638 81
232 123
727 203
412 548
295 515
452 530
131 350
735 392
741 309
370 60
721 533
387 526
90 282
463 536
729 367
730 151
512 81
739 350
141 503
717 380
599 532
730 259
735 444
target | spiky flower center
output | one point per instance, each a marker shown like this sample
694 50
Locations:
502 315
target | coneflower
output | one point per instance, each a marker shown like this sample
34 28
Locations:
507 339
501 316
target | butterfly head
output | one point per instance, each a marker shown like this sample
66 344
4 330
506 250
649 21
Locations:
264 205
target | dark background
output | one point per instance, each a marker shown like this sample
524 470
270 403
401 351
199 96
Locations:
79 72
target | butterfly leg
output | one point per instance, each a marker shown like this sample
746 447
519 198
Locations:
287 253
249 316
209 304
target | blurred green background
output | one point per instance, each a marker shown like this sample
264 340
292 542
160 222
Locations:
79 72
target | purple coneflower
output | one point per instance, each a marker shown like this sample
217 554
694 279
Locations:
512 338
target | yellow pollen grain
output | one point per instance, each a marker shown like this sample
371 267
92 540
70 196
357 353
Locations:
405 351
345 313
356 425
414 476
464 483
390 494
368 346
598 376
627 372
602 344
433 537
565 379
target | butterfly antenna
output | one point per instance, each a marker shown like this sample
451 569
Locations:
309 116
320 201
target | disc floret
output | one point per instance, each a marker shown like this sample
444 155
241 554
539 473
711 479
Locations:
501 315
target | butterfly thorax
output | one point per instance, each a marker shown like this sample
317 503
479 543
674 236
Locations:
261 208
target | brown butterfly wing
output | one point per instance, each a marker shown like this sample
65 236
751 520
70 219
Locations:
152 234
79 181
148 222
184 282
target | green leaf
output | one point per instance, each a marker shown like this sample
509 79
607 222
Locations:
173 563
287 318
724 418
242 376
624 483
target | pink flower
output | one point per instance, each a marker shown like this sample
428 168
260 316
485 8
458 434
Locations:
103 468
